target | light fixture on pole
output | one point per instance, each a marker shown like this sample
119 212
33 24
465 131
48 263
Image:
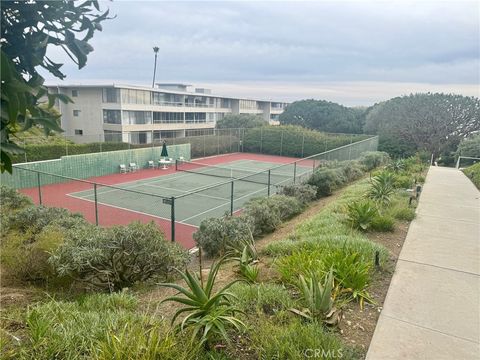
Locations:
155 50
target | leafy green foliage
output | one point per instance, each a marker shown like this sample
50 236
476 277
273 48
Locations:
373 159
248 265
469 147
210 313
266 214
293 141
383 223
326 180
303 192
473 172
263 298
432 122
323 116
117 257
27 30
382 188
396 165
217 235
352 170
361 214
241 121
11 199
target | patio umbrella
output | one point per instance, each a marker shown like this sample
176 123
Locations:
164 150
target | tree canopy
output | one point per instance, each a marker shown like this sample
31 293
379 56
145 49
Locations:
241 121
469 147
323 115
432 122
27 30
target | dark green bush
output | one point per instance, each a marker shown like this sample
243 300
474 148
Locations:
266 214
473 172
373 159
117 257
403 181
326 180
383 223
216 235
352 170
303 192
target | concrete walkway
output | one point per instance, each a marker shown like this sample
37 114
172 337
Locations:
432 309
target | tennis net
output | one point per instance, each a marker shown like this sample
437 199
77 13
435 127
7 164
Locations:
264 177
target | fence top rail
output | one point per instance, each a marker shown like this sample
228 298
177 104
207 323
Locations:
94 183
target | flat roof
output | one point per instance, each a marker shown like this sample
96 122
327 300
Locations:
156 89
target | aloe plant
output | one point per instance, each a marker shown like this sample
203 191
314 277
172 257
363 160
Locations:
361 214
210 313
318 299
382 188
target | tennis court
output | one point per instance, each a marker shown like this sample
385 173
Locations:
199 191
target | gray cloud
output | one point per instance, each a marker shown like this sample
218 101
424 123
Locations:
301 43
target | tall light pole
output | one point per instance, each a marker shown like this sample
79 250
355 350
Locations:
155 50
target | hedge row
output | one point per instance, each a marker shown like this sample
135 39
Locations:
293 141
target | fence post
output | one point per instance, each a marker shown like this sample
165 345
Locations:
39 189
66 146
268 184
350 148
218 144
25 147
294 172
96 202
100 141
204 145
303 145
281 143
172 217
231 198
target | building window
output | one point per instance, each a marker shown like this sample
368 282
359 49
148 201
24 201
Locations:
199 132
249 104
111 95
76 113
78 132
137 117
168 117
112 136
130 96
74 93
195 117
112 117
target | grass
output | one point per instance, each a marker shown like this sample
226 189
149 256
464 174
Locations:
473 172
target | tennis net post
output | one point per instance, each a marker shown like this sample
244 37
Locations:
268 184
294 172
172 218
231 197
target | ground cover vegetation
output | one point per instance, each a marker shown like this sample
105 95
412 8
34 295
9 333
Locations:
278 303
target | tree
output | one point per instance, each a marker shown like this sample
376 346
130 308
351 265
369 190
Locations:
27 29
323 115
432 122
469 147
241 121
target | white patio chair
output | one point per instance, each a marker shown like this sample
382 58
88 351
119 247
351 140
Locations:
132 167
123 169
151 164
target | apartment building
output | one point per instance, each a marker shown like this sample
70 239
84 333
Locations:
140 115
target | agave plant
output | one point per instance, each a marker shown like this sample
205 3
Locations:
382 188
248 266
397 165
361 214
318 299
210 313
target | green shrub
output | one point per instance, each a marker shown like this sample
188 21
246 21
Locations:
295 341
402 213
473 172
361 214
117 257
469 147
373 159
100 326
303 192
266 214
216 235
300 262
11 199
403 181
261 298
352 170
383 223
326 180
396 166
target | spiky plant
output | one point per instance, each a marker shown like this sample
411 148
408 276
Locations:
361 214
210 313
382 188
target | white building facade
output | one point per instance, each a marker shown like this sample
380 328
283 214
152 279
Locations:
140 115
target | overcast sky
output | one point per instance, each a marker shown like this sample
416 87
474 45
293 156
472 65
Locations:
354 53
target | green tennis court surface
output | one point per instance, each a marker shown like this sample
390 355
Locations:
193 203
